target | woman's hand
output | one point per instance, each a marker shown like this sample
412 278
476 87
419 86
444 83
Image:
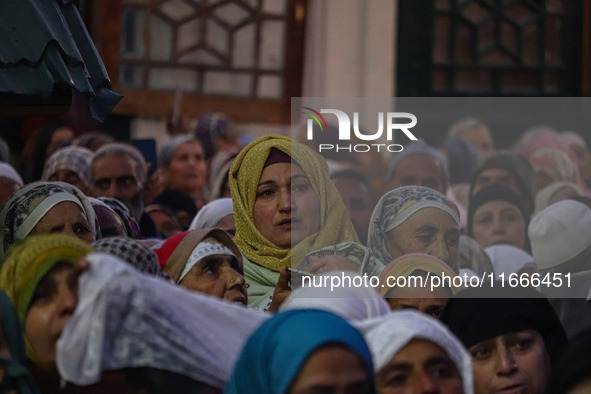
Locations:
282 290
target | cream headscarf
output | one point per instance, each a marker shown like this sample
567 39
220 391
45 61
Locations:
245 173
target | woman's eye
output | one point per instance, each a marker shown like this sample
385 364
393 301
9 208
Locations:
523 344
481 353
397 380
424 238
81 229
300 187
266 193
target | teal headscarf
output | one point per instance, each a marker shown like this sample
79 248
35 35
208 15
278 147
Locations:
16 376
275 353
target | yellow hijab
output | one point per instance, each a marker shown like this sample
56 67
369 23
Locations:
29 261
244 176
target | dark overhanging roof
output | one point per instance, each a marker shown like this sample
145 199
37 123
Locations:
45 50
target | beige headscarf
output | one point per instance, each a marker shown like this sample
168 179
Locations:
245 173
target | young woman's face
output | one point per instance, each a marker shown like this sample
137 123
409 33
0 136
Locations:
513 363
499 222
66 217
187 169
332 370
52 306
286 209
420 367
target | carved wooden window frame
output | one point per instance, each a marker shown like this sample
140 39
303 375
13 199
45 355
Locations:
106 21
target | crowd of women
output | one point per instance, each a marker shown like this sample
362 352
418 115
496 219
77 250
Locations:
190 277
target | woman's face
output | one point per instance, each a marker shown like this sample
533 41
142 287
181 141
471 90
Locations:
52 306
429 230
227 224
511 363
499 222
70 177
187 169
65 217
420 367
286 209
332 370
217 275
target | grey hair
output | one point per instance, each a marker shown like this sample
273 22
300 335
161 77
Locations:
126 150
170 146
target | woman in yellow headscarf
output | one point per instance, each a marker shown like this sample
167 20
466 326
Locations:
38 278
286 206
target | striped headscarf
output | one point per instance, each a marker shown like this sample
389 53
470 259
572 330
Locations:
28 205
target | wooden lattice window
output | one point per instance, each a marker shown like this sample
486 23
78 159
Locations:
491 47
242 57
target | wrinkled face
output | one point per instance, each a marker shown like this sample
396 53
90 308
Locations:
492 176
52 306
286 209
219 276
332 370
187 169
117 177
482 140
421 299
429 230
512 363
357 198
420 367
419 170
65 217
70 177
499 222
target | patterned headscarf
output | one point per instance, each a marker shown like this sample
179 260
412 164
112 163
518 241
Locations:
395 207
73 158
23 210
178 254
131 226
131 251
277 351
31 260
245 173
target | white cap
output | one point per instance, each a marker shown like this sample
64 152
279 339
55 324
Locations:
559 233
7 171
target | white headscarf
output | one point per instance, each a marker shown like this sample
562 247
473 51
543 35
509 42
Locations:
389 334
8 171
212 213
508 259
352 303
125 318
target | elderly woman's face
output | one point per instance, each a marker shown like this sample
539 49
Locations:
217 275
286 209
420 367
499 222
51 308
429 230
70 177
187 169
512 363
332 370
65 217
